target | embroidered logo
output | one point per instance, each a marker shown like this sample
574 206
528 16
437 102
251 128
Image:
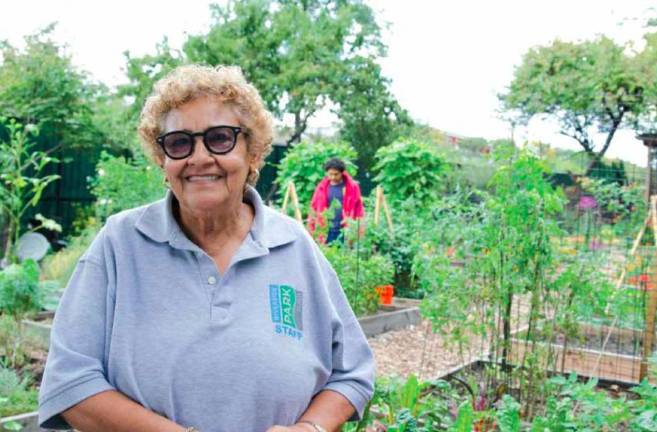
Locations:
286 305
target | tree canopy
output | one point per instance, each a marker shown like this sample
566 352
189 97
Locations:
39 85
591 86
303 56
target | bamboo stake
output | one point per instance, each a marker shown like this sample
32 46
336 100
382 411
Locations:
291 195
295 201
286 197
377 205
386 210
635 246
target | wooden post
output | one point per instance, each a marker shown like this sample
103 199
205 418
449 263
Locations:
377 205
286 197
295 200
651 300
381 202
386 210
291 194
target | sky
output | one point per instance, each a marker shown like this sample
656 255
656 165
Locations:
447 60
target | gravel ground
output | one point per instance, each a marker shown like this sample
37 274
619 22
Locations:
419 351
415 350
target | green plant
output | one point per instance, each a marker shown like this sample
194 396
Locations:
359 274
505 251
414 405
19 288
15 345
303 165
16 395
59 266
122 184
21 180
573 405
508 415
411 168
624 204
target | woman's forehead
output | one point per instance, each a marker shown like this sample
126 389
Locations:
200 114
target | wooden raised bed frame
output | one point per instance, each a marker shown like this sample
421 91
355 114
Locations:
589 362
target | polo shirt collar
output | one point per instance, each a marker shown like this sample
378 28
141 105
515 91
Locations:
269 229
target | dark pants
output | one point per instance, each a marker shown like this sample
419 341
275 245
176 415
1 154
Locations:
335 235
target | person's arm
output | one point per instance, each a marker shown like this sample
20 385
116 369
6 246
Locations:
328 409
112 411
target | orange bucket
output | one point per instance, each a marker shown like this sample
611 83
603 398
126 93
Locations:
386 292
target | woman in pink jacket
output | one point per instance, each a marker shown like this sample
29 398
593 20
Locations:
340 187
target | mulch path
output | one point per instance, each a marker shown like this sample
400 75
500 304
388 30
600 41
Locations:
418 350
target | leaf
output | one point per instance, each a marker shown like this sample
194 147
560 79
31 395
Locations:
48 224
464 418
12 426
508 415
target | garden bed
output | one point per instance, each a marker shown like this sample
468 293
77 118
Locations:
29 423
620 361
39 327
34 368
402 314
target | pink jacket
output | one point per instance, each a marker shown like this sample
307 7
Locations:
352 202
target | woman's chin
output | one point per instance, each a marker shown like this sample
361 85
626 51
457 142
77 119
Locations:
206 201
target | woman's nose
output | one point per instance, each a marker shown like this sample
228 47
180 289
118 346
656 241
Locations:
199 153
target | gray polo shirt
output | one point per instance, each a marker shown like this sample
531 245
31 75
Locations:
147 313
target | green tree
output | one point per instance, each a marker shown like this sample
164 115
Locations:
303 56
39 85
410 168
142 73
647 64
371 116
587 87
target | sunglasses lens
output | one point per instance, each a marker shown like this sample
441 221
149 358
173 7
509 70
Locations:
177 145
220 139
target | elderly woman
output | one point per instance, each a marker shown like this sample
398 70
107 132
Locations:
207 310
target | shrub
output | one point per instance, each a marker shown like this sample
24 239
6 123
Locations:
122 184
15 344
19 288
59 266
411 169
303 164
16 396
359 274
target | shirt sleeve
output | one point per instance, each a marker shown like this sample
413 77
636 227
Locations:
353 363
76 365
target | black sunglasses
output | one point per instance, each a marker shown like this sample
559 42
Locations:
217 140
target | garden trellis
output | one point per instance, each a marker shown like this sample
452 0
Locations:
645 282
537 282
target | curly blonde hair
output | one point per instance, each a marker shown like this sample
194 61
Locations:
228 85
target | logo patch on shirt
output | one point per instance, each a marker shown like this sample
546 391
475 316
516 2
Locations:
286 305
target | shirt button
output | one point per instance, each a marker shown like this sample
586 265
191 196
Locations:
212 280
